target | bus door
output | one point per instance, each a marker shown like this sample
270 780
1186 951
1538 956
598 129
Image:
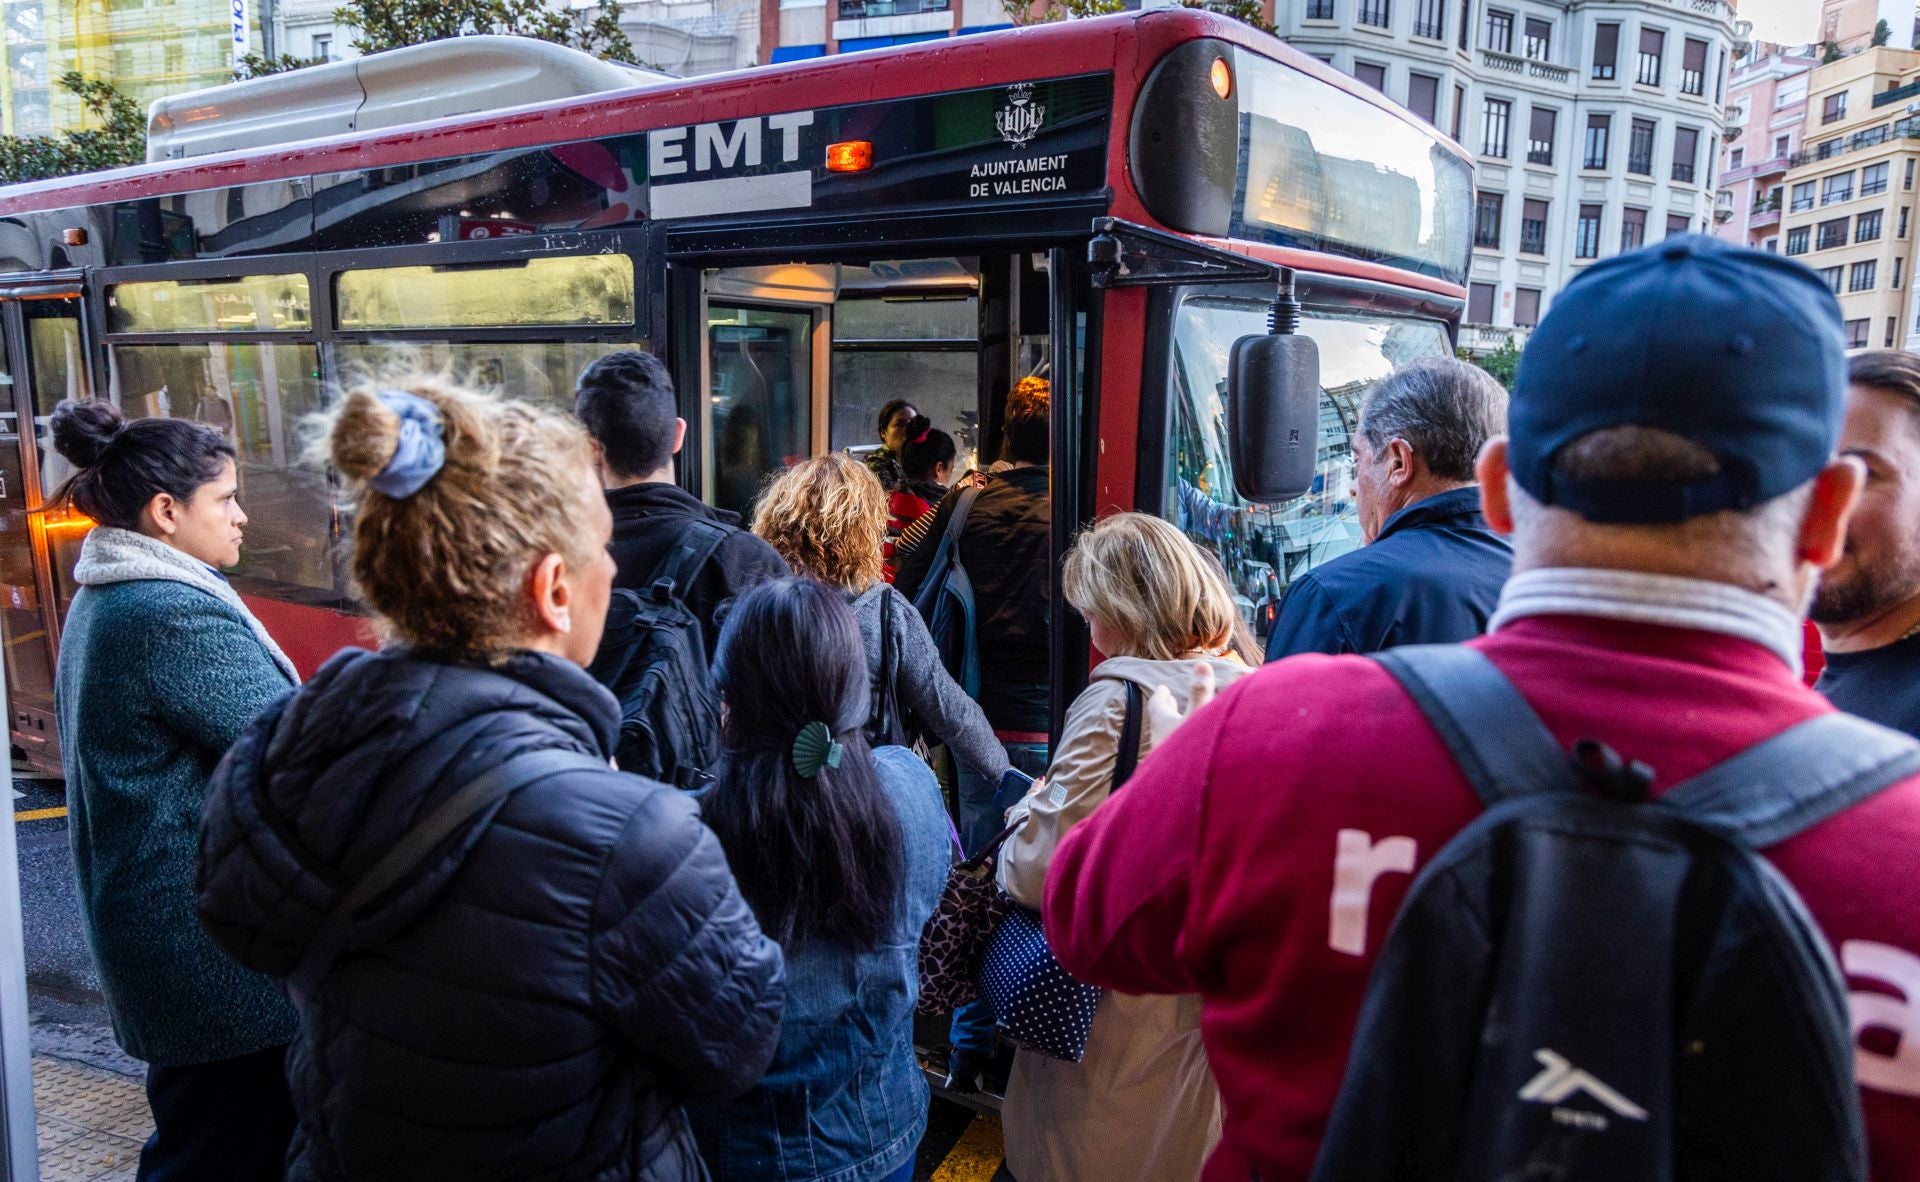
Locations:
42 361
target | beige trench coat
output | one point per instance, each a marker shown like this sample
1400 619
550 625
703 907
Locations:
1142 1105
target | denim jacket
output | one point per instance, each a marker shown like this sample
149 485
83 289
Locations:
844 1100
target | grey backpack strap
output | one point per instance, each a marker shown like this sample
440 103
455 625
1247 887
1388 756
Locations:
447 818
1796 779
1501 745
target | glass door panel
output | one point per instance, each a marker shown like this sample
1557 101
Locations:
57 371
759 398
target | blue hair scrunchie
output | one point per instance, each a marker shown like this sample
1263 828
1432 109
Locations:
421 452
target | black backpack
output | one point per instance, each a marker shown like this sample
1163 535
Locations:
654 659
945 601
1585 985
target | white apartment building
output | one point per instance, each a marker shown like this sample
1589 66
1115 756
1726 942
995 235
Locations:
1596 126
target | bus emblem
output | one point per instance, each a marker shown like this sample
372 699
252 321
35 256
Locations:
1019 121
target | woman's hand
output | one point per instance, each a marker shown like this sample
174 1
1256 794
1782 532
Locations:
1163 712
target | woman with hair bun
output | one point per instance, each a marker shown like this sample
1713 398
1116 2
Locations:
161 667
842 851
927 459
510 960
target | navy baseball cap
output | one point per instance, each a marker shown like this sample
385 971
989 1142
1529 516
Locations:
1737 350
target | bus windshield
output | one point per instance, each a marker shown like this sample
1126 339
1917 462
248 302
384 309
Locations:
1265 547
1325 170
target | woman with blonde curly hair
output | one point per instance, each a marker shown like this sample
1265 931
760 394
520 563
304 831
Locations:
508 959
1142 1103
827 517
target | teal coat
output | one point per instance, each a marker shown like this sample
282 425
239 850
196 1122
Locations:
157 677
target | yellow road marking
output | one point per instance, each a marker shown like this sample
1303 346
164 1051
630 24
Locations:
976 1156
39 815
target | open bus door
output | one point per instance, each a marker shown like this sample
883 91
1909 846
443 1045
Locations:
42 361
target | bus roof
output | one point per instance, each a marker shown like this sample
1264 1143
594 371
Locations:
1129 42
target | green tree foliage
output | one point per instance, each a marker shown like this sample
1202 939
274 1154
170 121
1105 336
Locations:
259 65
1882 33
1829 52
120 140
1034 12
390 24
1503 363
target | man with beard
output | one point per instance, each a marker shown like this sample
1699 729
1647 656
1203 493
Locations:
1868 605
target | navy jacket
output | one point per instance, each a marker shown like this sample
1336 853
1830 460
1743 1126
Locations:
1433 576
648 519
539 998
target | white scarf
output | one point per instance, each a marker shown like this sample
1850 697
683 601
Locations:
1642 598
111 555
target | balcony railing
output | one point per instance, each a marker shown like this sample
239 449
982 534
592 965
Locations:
1538 154
1897 94
1908 128
1763 215
1507 63
853 10
1485 338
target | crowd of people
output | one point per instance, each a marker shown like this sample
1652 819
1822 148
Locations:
405 919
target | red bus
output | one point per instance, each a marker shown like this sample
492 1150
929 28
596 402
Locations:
1105 203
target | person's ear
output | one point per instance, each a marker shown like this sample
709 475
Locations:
552 597
1398 454
1823 531
164 511
1496 500
679 435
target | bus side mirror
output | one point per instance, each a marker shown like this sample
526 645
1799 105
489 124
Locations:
1273 416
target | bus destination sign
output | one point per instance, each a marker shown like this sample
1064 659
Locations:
995 144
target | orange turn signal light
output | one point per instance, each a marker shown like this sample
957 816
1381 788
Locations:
1222 78
850 156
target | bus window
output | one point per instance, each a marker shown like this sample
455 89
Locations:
255 394
536 371
592 289
907 329
1265 547
242 303
759 398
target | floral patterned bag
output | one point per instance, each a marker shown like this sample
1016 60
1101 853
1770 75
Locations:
955 940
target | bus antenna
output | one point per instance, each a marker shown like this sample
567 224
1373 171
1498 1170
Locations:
1283 315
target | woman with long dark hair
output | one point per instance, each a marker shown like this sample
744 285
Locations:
841 851
161 667
927 458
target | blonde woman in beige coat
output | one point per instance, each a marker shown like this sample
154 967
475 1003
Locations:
1142 1103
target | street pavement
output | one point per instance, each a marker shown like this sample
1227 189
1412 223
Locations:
90 1105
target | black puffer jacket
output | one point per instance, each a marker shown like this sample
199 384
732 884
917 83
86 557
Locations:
536 1001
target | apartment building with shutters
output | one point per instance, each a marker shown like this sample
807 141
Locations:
1850 192
1596 126
1766 109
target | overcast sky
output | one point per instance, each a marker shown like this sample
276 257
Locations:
1786 21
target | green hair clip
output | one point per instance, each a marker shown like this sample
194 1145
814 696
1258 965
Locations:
814 750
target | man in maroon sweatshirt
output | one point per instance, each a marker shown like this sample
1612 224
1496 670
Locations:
1670 486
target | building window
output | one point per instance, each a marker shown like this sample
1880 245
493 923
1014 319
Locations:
323 47
1738 158
1856 334
1586 236
1500 31
1676 224
1897 260
1459 113
1652 44
1466 27
1826 149
1540 136
1693 67
1430 19
1797 240
1833 108
1640 148
1686 147
1782 146
1371 74
1526 307
1480 302
1802 197
1487 208
1606 50
1773 245
1833 277
1319 10
1909 183
1873 179
1890 324
1493 128
1836 189
1533 227
1539 39
1423 97
1863 277
1832 234
1866 227
1596 152
1903 223
1633 228
1378 13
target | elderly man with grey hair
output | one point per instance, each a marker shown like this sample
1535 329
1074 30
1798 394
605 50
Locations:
1431 570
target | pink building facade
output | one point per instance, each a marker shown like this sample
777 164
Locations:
1766 108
